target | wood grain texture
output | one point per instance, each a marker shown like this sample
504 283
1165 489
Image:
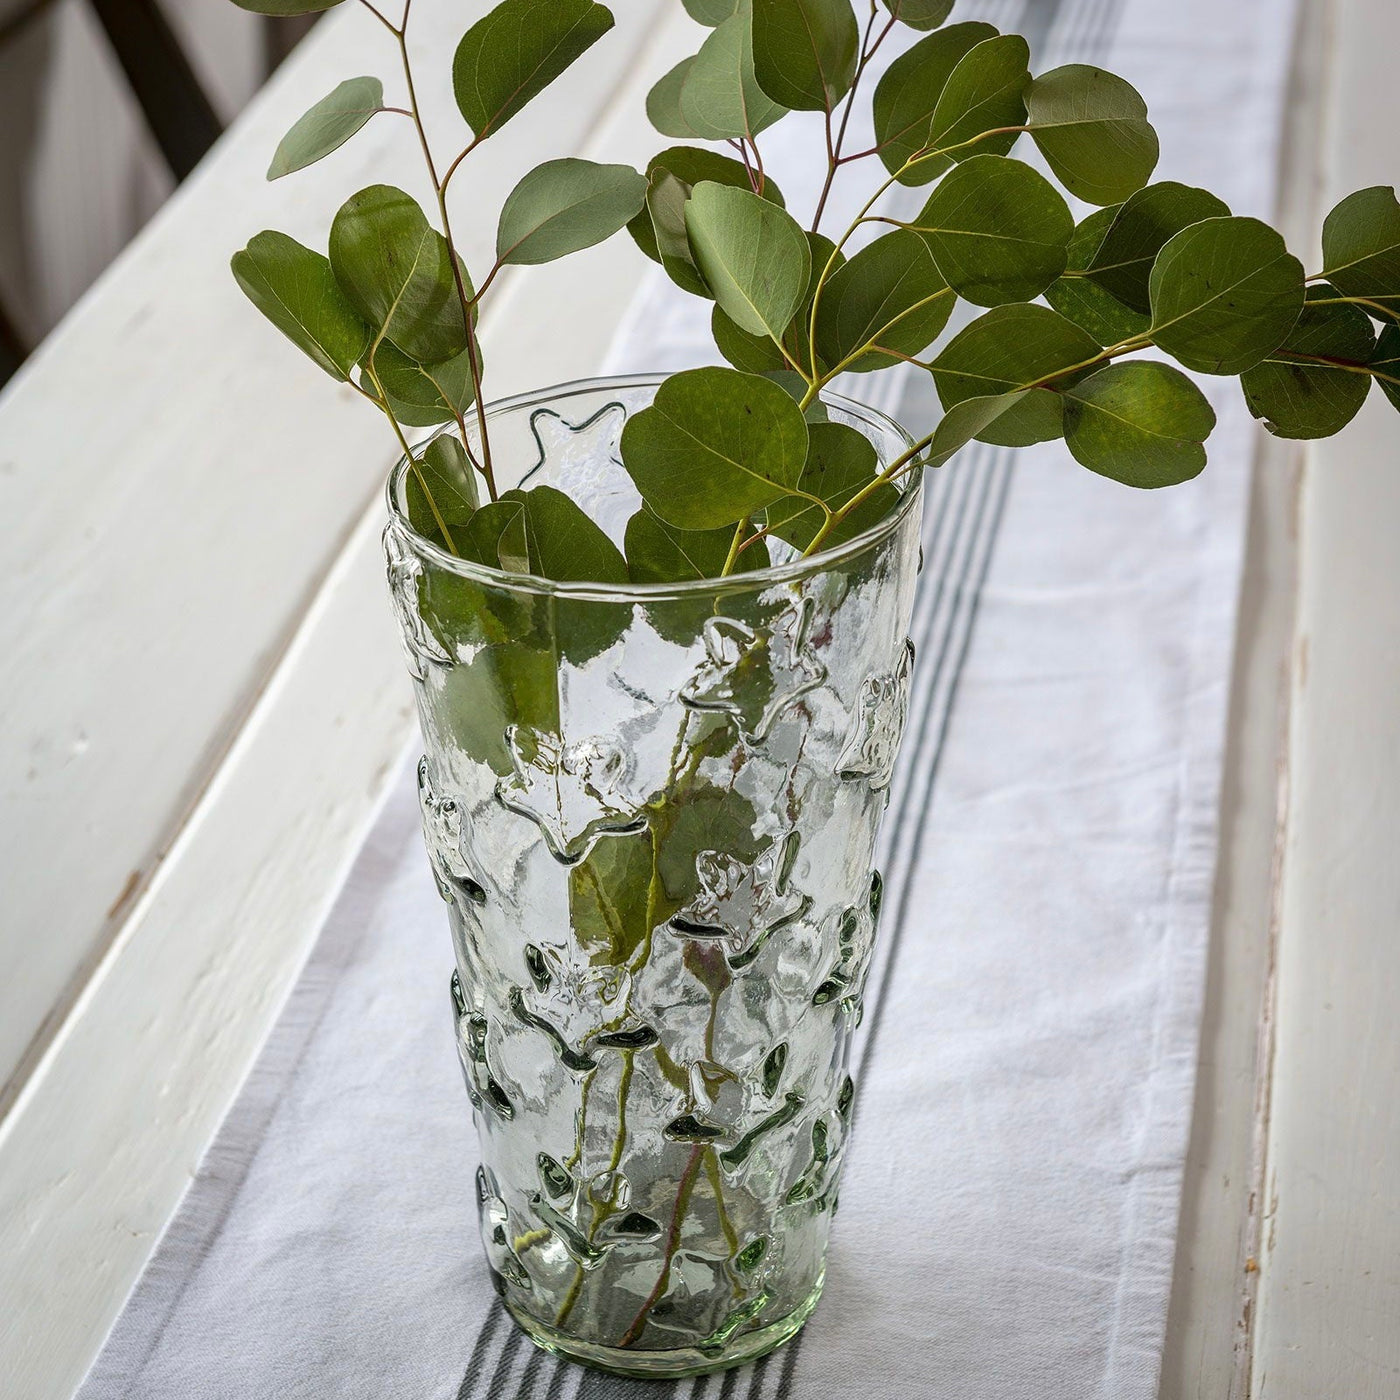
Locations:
1213 1312
1329 1301
299 736
175 483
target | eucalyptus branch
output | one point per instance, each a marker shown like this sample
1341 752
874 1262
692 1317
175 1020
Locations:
473 351
735 546
380 16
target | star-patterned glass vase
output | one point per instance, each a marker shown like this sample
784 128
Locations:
651 812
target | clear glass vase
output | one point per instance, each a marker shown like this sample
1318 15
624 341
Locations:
651 811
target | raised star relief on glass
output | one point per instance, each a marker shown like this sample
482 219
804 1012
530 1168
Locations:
754 674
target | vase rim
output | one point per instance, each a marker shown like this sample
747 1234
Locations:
910 492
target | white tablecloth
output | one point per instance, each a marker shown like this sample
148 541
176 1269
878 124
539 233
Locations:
1009 1205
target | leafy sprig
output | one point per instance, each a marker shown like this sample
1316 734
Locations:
729 459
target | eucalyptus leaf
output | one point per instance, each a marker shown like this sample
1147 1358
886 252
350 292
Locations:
796 387
920 14
1140 422
1122 263
1225 292
760 354
440 491
805 51
983 94
509 56
397 272
998 230
1092 129
283 8
665 209
565 205
840 462
753 256
328 125
720 99
890 294
714 446
495 537
907 95
610 898
1012 348
1361 248
660 553
563 543
296 290
710 12
754 354
690 165
971 419
1083 300
1386 363
498 689
423 395
664 103
1294 390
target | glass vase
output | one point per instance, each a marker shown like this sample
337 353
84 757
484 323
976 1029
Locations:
651 811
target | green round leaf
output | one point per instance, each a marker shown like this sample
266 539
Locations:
441 490
286 7
754 354
753 256
565 205
840 462
512 54
1386 363
908 93
805 51
1092 129
890 294
660 553
1006 350
760 354
296 290
1082 300
1224 293
920 14
423 395
563 543
397 272
495 537
690 165
328 125
1361 248
970 419
984 93
664 103
1122 263
715 446
710 12
1141 423
665 211
720 99
1294 390
998 230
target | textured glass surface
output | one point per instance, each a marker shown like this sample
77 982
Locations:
651 813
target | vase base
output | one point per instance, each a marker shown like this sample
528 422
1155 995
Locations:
672 1363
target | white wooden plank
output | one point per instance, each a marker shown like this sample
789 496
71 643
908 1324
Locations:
1211 1319
105 1135
175 482
1329 1303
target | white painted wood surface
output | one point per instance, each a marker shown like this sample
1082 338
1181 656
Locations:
206 520
231 751
174 484
1329 1297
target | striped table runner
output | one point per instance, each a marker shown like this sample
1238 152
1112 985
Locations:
1008 1211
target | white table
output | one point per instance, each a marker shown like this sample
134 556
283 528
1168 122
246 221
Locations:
174 485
